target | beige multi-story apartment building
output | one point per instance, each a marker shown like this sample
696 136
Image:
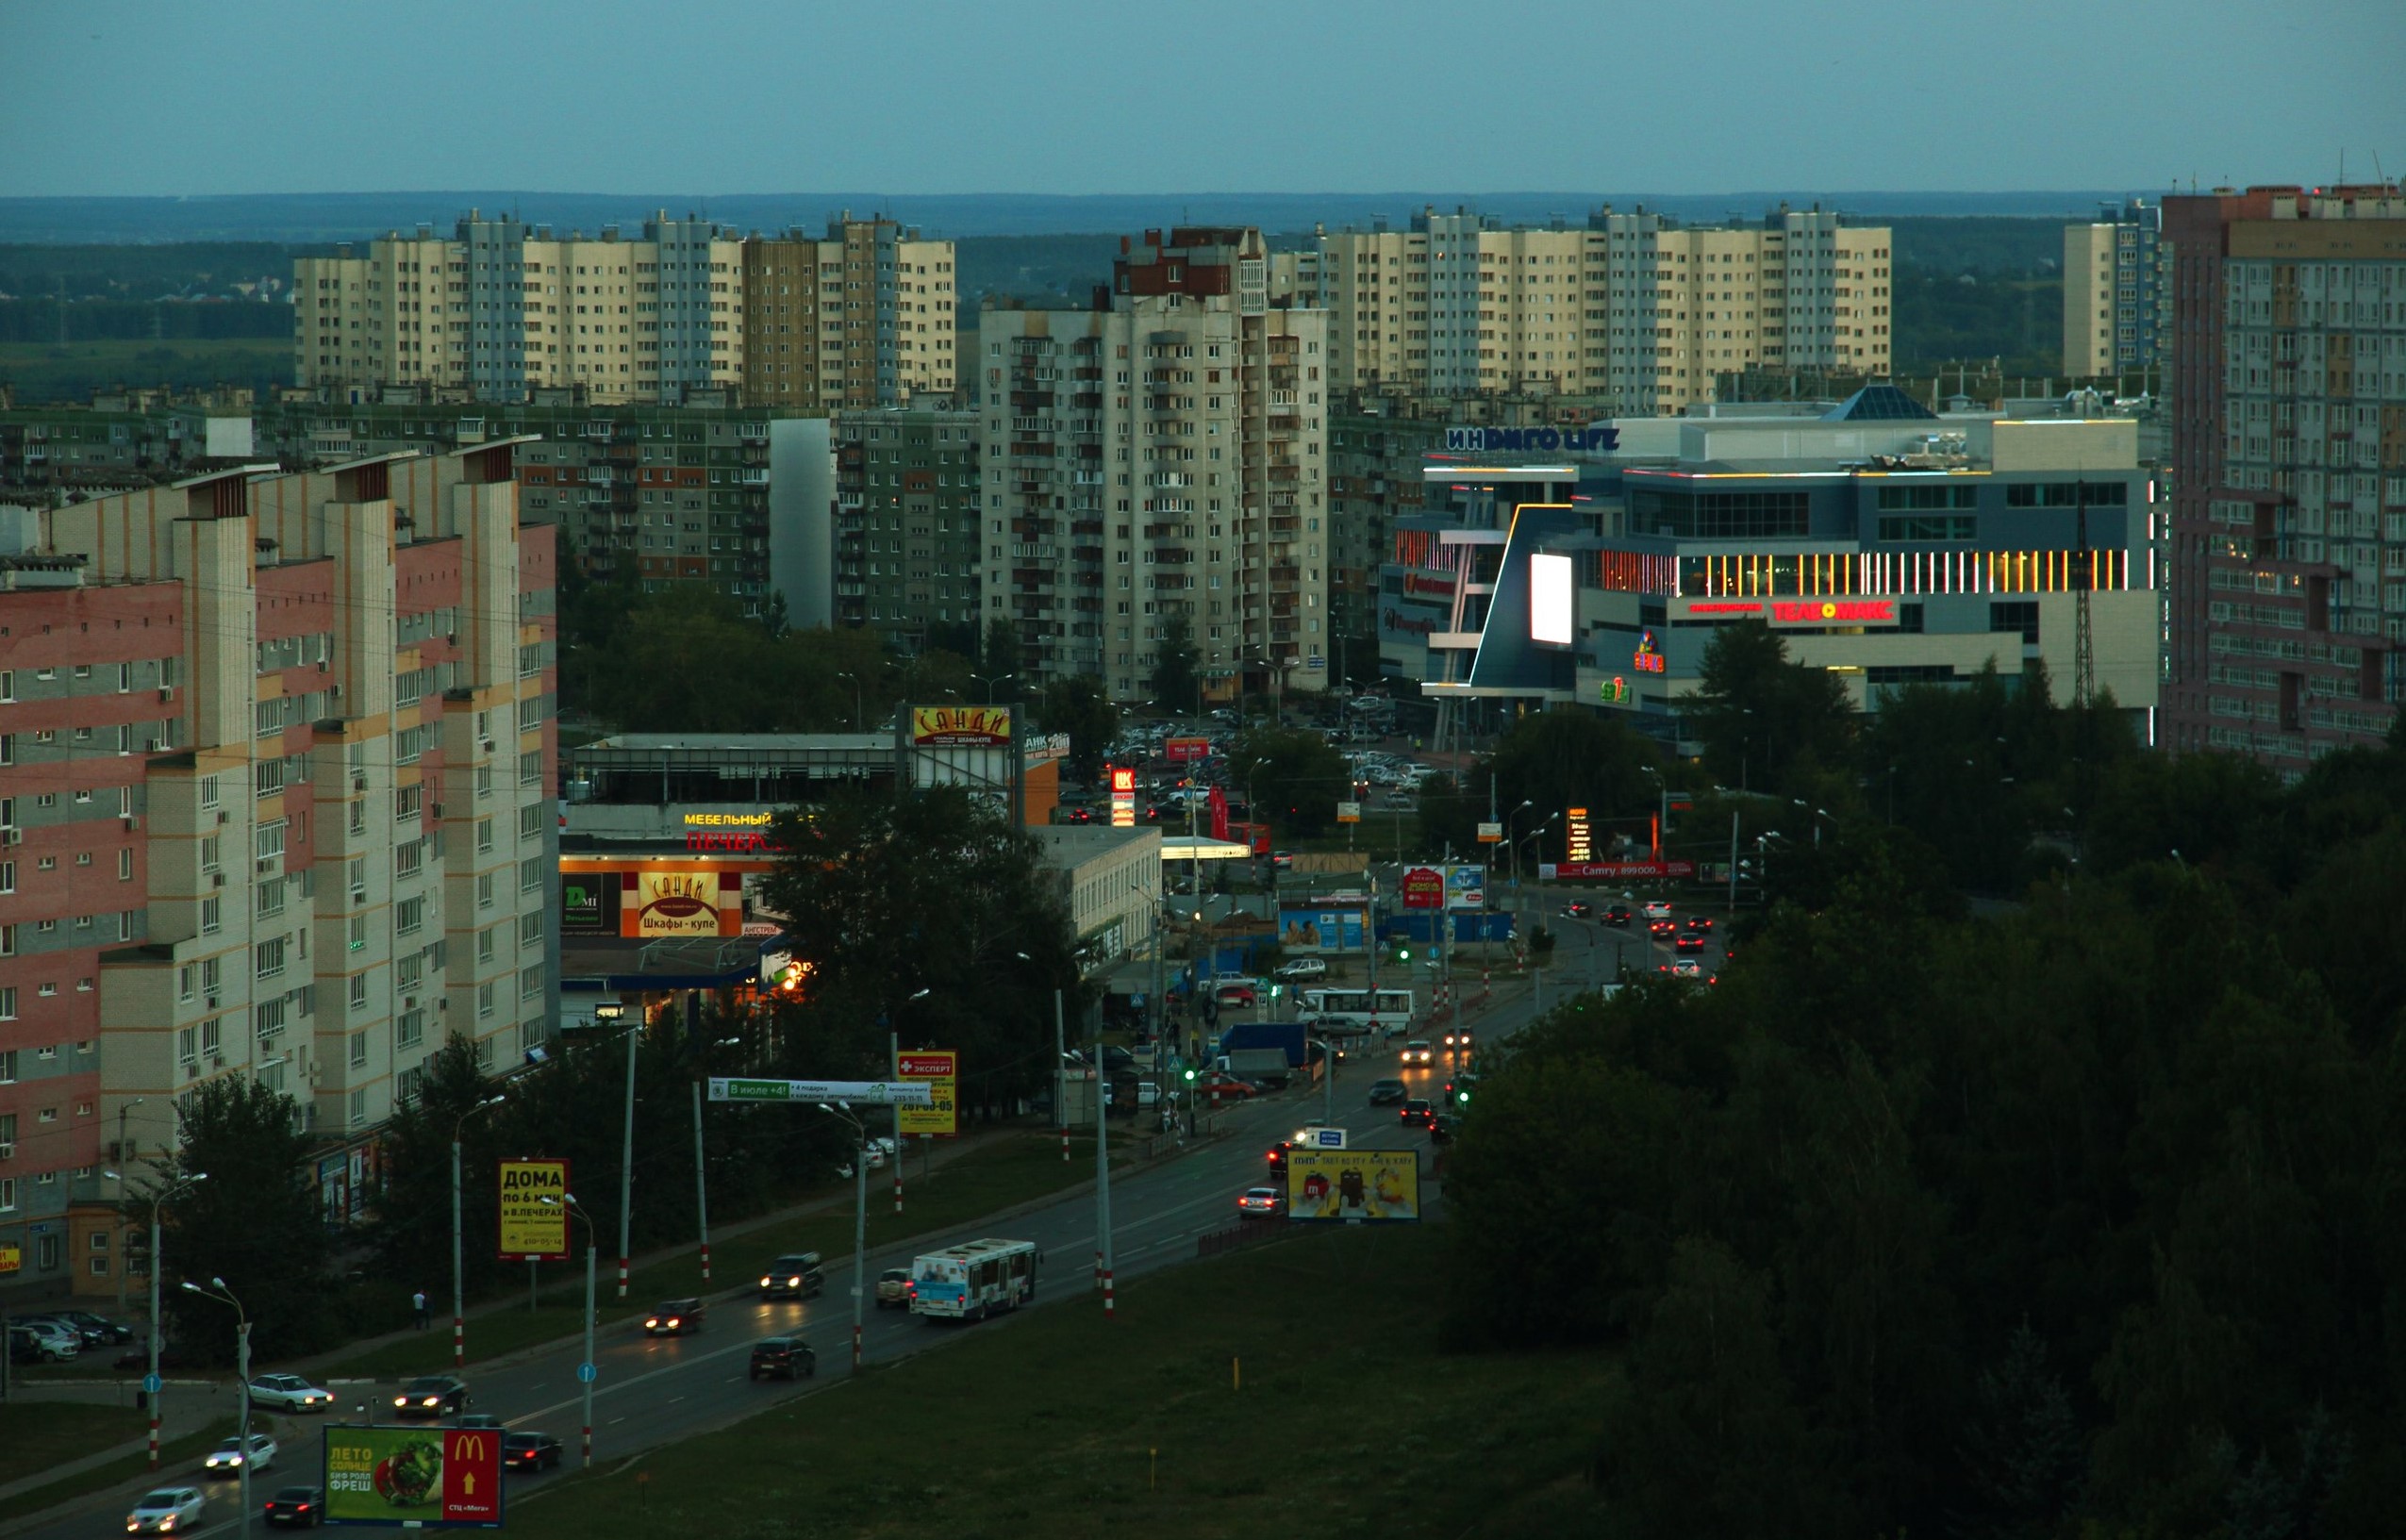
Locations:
278 807
1633 309
1162 458
2114 291
498 309
863 318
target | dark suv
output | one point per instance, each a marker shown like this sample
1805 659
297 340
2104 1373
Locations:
794 1276
783 1358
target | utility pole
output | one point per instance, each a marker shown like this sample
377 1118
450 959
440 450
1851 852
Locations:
1732 861
1061 1073
1103 1184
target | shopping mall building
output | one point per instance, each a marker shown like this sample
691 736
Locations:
1885 543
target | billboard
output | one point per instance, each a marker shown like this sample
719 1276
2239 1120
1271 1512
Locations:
1423 889
1353 1186
874 1093
960 726
1185 748
1466 888
938 1068
531 1227
676 904
1310 931
1550 599
421 1477
588 902
1791 612
1574 871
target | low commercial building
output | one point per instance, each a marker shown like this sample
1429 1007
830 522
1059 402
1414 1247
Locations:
1886 544
1111 880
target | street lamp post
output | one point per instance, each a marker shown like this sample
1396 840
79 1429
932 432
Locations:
218 1291
124 1158
701 1171
589 1370
626 1143
859 1216
894 1067
157 1198
990 681
859 708
458 1273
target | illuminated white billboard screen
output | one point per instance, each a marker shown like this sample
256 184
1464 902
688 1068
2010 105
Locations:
1550 599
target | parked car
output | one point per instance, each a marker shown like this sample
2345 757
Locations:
432 1396
783 1358
228 1458
1226 1087
296 1507
1305 967
1259 1203
529 1452
793 1275
167 1510
52 1342
290 1393
1239 996
675 1318
894 1289
1384 1092
90 1330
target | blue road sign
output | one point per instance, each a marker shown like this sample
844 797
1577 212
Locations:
151 1382
588 1373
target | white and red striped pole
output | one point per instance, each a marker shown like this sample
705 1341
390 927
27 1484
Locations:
1109 1310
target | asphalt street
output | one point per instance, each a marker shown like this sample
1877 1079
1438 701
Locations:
654 1391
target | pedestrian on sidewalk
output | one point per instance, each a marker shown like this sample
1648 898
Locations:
418 1306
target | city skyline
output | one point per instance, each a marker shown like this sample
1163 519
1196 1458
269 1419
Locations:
1871 98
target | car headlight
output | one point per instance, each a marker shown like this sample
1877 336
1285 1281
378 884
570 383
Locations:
764 1283
650 1323
794 1282
675 1322
432 1400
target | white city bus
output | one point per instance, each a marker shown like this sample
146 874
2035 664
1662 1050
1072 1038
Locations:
973 1279
1353 1012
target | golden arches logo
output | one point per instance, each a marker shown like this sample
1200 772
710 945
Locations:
469 1447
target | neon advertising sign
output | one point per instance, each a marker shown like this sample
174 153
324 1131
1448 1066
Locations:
1648 658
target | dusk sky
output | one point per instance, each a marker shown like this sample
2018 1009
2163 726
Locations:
1075 96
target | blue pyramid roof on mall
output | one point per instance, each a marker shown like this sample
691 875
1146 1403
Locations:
1880 404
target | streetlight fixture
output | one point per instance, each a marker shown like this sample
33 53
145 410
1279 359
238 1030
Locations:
859 1216
1512 849
589 1370
458 1273
701 1172
894 1067
218 1291
859 708
990 681
159 1196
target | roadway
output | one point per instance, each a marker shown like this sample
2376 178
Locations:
652 1391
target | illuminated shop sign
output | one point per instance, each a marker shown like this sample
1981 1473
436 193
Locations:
1530 440
1648 658
1789 612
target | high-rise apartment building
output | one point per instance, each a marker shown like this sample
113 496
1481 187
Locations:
1163 455
1634 310
906 525
275 801
2288 589
499 309
2114 291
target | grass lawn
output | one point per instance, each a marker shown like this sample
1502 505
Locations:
1291 1389
1012 1170
178 1465
36 1436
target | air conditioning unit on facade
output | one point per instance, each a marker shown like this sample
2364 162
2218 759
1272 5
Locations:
167 692
358 783
133 823
217 879
13 835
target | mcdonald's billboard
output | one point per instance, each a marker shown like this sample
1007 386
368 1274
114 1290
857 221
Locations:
414 1478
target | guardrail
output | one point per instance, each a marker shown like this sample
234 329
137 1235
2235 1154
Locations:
1235 1237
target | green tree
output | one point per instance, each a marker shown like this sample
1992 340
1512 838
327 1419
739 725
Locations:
1768 724
1294 776
257 1222
938 893
1081 707
1175 683
998 650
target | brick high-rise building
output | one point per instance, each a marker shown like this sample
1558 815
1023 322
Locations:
2287 589
276 801
1163 455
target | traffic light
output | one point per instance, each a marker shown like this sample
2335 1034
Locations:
1462 1097
1404 953
1190 1074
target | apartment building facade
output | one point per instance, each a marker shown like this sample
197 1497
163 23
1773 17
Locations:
2289 551
498 309
1162 454
284 810
2114 291
906 541
1634 310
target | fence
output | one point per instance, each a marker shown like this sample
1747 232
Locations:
1238 1236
